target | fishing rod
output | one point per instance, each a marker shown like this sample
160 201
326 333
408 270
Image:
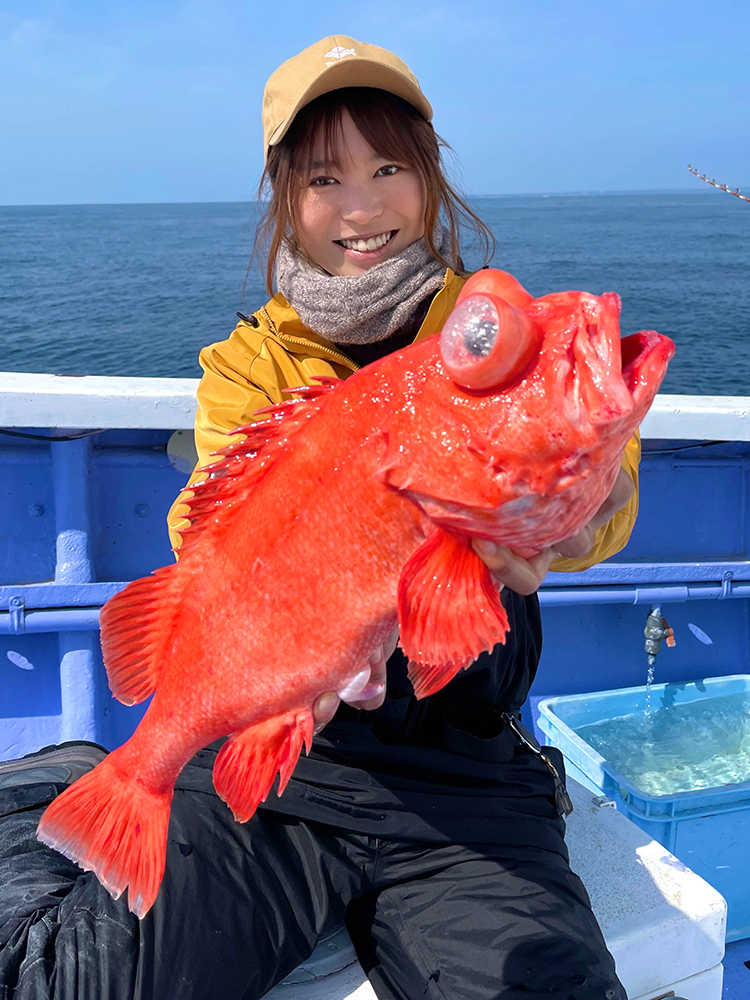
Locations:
721 187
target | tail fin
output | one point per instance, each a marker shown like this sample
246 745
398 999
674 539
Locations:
109 823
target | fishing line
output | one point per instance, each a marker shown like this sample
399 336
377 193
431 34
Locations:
684 447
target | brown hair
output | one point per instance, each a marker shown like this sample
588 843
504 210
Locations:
395 130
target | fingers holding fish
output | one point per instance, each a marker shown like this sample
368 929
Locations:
370 697
524 576
324 709
621 492
375 691
390 643
580 544
373 694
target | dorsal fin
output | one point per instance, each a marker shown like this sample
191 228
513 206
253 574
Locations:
136 626
325 384
244 463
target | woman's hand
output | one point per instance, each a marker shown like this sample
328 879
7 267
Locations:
526 575
327 704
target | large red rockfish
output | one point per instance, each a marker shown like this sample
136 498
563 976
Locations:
345 512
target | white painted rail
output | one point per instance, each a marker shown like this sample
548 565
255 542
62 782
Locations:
699 418
99 401
96 401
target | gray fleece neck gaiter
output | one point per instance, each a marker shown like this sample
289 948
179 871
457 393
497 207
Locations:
363 308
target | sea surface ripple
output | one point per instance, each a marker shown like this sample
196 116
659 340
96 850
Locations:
139 289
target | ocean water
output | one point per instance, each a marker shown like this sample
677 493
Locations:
139 289
684 748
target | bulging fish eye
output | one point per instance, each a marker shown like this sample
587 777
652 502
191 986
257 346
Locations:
480 336
487 343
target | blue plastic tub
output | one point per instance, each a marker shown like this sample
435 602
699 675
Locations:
708 830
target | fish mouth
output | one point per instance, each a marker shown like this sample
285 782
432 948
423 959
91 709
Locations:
367 246
644 357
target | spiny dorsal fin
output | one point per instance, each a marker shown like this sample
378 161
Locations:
244 463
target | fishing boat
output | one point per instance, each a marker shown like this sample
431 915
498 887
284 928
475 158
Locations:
90 466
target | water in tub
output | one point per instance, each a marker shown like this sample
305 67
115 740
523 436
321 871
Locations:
680 748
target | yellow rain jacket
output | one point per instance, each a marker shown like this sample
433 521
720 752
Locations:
273 350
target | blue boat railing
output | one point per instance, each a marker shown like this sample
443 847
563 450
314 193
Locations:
90 466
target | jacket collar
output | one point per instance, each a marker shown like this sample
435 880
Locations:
285 325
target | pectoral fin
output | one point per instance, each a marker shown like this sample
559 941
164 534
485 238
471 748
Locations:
449 611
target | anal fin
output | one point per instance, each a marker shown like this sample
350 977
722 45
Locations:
247 764
449 611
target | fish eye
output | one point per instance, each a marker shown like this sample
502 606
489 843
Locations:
480 337
487 343
469 334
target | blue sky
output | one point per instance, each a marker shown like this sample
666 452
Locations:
127 101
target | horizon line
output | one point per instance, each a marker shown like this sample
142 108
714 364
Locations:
590 193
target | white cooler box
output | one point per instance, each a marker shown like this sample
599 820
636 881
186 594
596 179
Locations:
663 924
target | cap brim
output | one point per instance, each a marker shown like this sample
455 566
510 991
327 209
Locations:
357 72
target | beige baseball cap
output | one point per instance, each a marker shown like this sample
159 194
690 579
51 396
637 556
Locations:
330 64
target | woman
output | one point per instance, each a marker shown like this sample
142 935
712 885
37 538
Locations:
429 827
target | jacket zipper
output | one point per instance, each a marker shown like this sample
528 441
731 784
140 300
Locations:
341 358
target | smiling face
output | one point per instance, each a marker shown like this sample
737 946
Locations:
358 211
